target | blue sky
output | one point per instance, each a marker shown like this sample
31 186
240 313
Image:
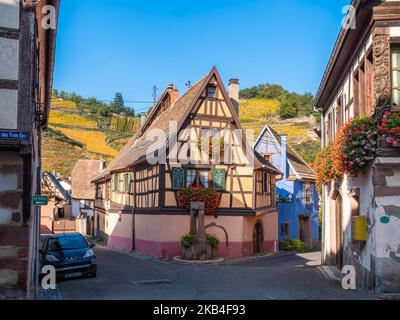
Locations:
130 45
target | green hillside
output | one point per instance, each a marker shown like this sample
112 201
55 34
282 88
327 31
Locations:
255 113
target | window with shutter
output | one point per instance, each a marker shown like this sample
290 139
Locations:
219 178
115 182
120 182
178 178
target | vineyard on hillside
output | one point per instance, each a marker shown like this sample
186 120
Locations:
68 119
94 141
124 123
59 104
76 132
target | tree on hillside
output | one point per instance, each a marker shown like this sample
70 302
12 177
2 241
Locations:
249 93
118 105
55 93
288 107
274 91
129 111
63 95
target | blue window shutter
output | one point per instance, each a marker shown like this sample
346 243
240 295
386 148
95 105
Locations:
178 178
219 178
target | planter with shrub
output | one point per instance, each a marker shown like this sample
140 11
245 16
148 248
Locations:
190 247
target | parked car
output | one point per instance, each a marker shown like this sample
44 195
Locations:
70 254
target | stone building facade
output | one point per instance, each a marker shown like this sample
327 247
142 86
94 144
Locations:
26 69
361 79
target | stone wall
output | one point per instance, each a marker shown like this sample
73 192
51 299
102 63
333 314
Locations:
386 223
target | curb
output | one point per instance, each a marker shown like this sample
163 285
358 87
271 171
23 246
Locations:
215 262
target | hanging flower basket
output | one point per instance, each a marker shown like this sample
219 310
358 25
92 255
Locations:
351 152
210 197
390 128
328 164
359 145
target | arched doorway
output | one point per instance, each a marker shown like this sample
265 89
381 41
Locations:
339 230
258 238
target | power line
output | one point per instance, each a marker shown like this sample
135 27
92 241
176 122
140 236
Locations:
155 89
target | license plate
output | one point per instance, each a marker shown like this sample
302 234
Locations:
73 275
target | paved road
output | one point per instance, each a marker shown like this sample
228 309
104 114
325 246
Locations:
125 277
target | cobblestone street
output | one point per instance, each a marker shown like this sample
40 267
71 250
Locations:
123 276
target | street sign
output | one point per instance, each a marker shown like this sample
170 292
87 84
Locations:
12 135
40 201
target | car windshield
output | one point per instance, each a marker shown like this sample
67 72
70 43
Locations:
67 243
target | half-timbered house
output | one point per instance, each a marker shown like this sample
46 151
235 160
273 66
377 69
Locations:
137 200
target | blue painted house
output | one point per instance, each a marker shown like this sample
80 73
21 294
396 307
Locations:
297 196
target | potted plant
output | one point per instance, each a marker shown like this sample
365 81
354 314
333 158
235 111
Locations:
212 246
189 246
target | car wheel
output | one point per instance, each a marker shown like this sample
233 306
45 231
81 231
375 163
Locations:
93 274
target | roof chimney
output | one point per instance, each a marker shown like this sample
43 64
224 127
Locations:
233 89
173 93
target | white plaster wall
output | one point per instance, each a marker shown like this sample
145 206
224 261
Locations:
8 109
388 234
8 182
9 14
395 31
326 225
9 54
75 207
346 87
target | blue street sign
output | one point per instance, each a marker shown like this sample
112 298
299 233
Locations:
12 135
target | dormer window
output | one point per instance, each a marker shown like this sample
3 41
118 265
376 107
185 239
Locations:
211 91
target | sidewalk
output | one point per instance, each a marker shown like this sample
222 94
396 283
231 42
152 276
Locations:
50 294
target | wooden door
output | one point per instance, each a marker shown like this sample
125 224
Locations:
339 230
305 230
258 239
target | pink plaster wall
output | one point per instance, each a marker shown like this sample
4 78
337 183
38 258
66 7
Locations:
120 243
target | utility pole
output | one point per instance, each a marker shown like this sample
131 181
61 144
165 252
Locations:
155 89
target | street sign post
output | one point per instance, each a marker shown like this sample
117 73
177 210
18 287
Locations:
40 200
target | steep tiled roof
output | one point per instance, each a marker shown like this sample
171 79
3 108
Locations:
83 173
136 148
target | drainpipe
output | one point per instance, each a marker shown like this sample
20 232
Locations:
284 158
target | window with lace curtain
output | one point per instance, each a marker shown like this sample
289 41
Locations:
396 75
205 178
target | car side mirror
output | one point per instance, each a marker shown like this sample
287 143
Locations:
92 245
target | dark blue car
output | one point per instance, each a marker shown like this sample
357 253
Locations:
70 254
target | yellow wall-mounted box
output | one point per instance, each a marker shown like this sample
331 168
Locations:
359 228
